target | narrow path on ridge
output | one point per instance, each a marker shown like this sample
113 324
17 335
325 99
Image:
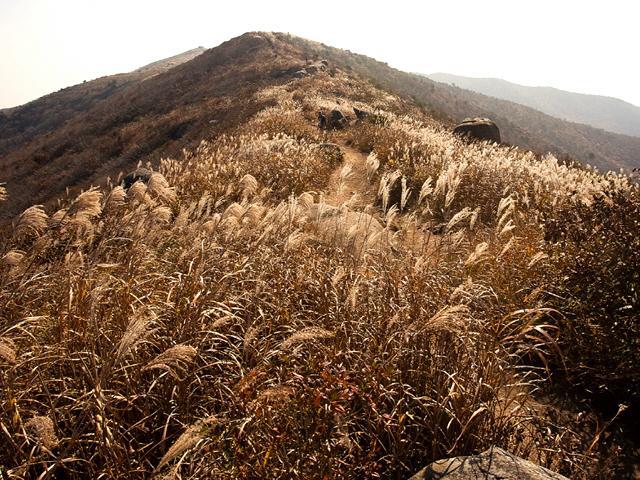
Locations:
348 182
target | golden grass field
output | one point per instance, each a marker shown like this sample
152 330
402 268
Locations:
263 308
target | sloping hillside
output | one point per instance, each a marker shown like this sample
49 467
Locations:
288 302
126 122
520 125
22 124
81 135
607 113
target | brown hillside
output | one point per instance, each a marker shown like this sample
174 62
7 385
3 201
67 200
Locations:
124 119
83 134
289 302
520 125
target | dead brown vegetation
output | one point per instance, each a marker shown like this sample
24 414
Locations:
204 326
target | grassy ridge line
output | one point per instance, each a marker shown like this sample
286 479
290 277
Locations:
200 327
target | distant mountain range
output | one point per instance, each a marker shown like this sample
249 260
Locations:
608 113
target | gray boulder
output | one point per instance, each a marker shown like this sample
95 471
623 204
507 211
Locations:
336 120
478 129
316 67
493 464
138 175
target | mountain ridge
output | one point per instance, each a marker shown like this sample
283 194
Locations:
131 117
279 300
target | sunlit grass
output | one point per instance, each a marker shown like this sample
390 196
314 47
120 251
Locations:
224 322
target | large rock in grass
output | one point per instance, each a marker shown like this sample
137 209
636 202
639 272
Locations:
478 129
336 120
138 175
493 464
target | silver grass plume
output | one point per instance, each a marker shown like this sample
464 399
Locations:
12 258
7 351
425 190
306 335
136 333
32 221
249 186
42 429
174 360
116 198
478 255
405 194
372 164
159 186
88 204
188 440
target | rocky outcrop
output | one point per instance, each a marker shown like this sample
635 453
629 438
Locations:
478 129
336 120
312 69
493 464
138 175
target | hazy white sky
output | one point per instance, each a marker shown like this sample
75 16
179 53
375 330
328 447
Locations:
582 46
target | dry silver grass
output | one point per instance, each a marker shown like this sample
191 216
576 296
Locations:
234 210
387 182
136 333
450 318
306 335
74 260
294 240
278 396
506 228
461 216
506 248
43 431
159 186
116 198
249 186
538 257
88 204
189 439
7 351
338 276
478 255
425 190
372 165
346 172
222 322
162 214
32 221
405 193
305 200
137 193
505 208
174 360
12 258
250 337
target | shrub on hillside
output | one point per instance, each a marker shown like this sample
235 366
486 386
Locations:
596 248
